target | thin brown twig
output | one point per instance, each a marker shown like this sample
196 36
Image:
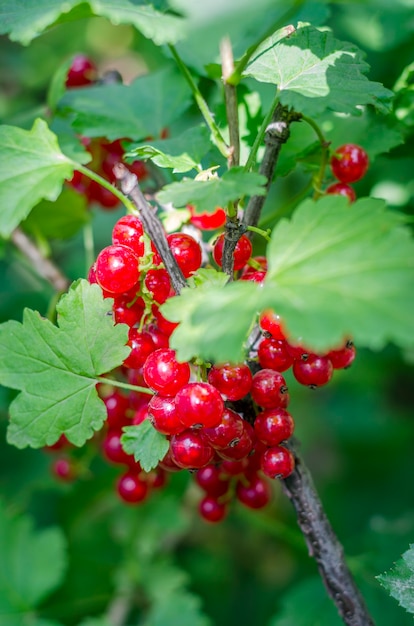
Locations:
43 266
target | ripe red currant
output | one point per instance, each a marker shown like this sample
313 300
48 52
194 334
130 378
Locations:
273 426
343 357
255 495
117 269
158 283
270 322
207 221
233 381
211 480
186 251
241 254
190 450
141 345
131 488
164 374
199 404
313 370
269 389
81 72
163 415
349 163
228 432
211 510
277 462
342 189
273 354
128 231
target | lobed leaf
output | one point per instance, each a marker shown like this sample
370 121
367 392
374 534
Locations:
399 581
135 111
146 444
22 588
32 168
55 368
58 220
23 20
207 195
337 270
315 72
181 153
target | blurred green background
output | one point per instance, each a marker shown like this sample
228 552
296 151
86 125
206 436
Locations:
356 435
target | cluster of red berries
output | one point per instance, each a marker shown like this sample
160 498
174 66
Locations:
226 422
349 164
84 73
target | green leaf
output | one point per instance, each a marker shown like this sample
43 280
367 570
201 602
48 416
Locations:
135 111
319 611
32 168
181 153
58 220
399 581
24 20
214 322
55 368
33 563
179 609
209 276
146 444
337 270
314 72
207 195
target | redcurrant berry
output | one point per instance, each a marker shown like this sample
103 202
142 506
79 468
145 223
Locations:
313 370
199 404
190 450
342 189
269 389
186 251
233 381
117 269
273 426
131 488
349 163
241 254
211 510
164 374
277 462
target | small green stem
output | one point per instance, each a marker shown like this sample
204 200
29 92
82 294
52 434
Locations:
236 77
259 231
202 105
319 178
117 383
260 135
105 183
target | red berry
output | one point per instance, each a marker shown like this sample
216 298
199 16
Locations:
343 357
234 468
60 444
269 389
272 323
313 370
349 163
241 254
277 462
211 510
158 284
207 221
163 324
126 312
81 72
186 251
190 450
168 464
113 450
241 447
131 488
163 415
141 346
128 231
117 406
255 277
273 354
199 404
99 194
211 480
255 495
273 426
164 374
117 269
250 269
342 189
228 432
233 381
63 469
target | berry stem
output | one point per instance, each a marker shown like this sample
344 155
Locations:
251 159
259 231
118 383
320 176
105 183
152 224
202 104
323 544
